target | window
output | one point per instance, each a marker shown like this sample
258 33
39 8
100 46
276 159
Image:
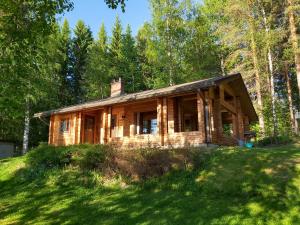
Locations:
186 114
148 121
114 126
227 123
64 125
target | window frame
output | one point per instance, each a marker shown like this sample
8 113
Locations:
64 128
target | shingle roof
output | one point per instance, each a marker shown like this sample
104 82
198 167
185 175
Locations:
176 89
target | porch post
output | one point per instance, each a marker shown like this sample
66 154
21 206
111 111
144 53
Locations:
78 128
171 116
240 120
160 120
165 120
108 130
51 125
201 117
103 126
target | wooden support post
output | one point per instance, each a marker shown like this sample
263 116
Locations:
165 120
240 120
103 130
138 121
51 126
133 124
235 122
82 128
179 115
109 116
171 116
78 128
201 115
160 120
218 129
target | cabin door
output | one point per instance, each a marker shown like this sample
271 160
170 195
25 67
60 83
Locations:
89 128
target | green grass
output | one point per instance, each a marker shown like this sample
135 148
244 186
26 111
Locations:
234 186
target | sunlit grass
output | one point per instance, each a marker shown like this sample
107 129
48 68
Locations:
235 186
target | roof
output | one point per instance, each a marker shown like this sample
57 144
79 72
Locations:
176 89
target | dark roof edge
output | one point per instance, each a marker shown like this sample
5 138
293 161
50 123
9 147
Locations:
114 100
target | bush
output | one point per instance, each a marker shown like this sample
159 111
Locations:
49 156
85 156
279 140
137 164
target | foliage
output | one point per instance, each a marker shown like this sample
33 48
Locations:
279 140
80 44
138 164
24 69
42 67
85 156
233 186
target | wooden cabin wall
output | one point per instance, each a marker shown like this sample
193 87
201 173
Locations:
64 138
169 130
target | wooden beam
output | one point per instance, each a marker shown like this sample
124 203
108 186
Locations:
228 89
51 126
165 120
160 120
103 129
201 114
109 116
228 106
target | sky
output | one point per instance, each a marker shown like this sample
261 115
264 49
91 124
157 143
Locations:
94 12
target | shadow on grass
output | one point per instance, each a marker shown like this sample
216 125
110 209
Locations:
234 186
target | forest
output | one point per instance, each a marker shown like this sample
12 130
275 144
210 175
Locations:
45 64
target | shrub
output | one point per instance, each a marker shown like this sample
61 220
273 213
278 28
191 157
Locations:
85 156
49 156
137 164
279 140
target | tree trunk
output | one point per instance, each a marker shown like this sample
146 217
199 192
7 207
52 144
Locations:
294 39
290 99
257 76
222 65
271 70
26 128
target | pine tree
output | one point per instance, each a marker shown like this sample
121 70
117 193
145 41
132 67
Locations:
81 42
97 72
145 67
64 61
115 49
129 62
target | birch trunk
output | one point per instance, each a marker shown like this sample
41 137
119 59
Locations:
294 39
26 128
290 99
271 70
257 75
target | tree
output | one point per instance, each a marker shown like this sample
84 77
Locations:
292 5
64 61
133 80
115 50
168 25
145 67
115 3
24 27
97 72
81 42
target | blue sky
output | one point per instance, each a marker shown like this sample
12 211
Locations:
94 12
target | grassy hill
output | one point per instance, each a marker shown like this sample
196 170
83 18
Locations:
232 186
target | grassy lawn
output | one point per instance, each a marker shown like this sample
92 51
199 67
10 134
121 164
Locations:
235 186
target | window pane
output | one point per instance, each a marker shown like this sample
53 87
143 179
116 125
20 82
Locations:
153 126
64 125
145 127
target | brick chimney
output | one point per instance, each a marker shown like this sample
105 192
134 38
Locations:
116 87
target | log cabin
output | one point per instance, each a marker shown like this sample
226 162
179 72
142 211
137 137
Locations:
211 111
